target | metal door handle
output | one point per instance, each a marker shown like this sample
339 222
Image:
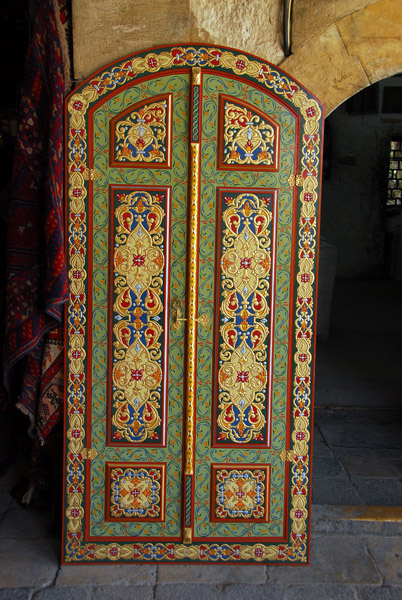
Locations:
178 306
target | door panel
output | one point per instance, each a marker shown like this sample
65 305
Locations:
139 262
192 219
244 284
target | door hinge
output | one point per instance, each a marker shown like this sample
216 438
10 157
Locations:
91 174
287 455
89 453
295 180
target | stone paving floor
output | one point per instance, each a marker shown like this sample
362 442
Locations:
356 545
355 555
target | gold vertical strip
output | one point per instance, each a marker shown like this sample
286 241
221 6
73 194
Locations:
192 306
192 300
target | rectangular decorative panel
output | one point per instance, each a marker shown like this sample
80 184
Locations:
246 239
139 281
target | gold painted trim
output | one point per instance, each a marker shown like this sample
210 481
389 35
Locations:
192 307
187 535
295 180
196 76
89 453
192 294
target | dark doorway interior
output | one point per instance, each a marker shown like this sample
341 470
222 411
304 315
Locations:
357 457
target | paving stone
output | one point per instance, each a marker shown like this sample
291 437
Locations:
357 520
328 467
378 492
25 523
254 592
394 453
362 435
340 451
9 479
106 574
223 574
320 592
16 593
382 593
369 467
321 449
5 501
68 593
185 591
28 563
387 554
333 491
397 464
335 559
119 592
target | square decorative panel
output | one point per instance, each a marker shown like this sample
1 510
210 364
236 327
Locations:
240 494
135 491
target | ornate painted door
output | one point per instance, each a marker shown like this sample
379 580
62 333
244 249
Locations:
193 196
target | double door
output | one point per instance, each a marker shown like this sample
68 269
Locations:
192 222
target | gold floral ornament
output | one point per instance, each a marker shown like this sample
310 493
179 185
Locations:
142 135
248 138
139 272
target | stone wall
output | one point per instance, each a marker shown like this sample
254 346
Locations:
339 46
106 30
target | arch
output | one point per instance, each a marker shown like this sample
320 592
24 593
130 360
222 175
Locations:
350 53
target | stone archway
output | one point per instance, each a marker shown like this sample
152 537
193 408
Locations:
339 46
343 47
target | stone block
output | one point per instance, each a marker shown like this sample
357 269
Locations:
333 491
68 593
97 575
25 523
218 574
356 520
335 559
328 468
16 594
119 592
320 592
387 555
378 492
312 16
327 69
185 591
28 563
376 593
254 592
374 35
106 30
369 467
